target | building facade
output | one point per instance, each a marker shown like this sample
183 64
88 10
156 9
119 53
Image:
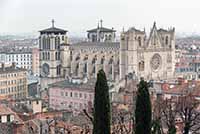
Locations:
13 82
152 57
60 60
101 34
22 58
72 95
35 61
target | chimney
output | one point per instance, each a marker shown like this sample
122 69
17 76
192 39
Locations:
3 66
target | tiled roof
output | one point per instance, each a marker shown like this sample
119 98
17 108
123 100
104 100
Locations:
5 110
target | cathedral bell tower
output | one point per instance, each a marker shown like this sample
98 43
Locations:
50 41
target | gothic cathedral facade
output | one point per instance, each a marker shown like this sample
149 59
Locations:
150 58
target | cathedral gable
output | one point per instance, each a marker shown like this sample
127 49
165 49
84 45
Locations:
154 40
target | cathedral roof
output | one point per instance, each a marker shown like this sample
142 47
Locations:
53 30
101 29
136 30
95 45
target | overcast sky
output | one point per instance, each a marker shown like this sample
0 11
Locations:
77 16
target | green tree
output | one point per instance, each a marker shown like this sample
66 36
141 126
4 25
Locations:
143 111
102 111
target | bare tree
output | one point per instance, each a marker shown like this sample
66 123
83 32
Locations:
187 107
169 113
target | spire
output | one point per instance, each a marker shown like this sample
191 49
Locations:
101 22
53 22
154 24
98 25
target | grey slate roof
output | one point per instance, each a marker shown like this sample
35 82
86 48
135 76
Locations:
101 29
96 45
53 30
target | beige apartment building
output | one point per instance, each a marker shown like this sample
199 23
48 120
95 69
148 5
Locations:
13 82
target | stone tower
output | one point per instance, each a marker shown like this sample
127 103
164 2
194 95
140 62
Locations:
50 41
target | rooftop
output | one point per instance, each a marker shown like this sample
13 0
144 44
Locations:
101 29
75 84
96 44
53 29
4 110
10 69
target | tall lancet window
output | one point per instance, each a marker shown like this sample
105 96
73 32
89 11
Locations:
77 69
93 64
139 41
58 70
85 68
166 40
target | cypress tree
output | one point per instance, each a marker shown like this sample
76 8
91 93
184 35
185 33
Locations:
143 111
102 112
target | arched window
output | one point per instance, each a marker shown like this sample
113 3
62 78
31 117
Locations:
102 60
111 61
141 66
110 37
45 69
58 69
94 60
94 38
58 42
48 55
111 69
43 56
77 58
166 40
76 70
44 43
85 68
71 55
106 37
56 55
139 41
94 70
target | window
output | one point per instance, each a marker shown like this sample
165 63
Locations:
102 60
71 94
8 118
85 68
66 93
166 40
63 37
139 41
58 69
62 94
85 96
77 69
80 95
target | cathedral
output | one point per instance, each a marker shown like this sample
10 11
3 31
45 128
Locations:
151 58
60 60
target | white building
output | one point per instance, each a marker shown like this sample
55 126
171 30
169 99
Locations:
22 58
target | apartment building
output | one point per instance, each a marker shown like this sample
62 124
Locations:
13 82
